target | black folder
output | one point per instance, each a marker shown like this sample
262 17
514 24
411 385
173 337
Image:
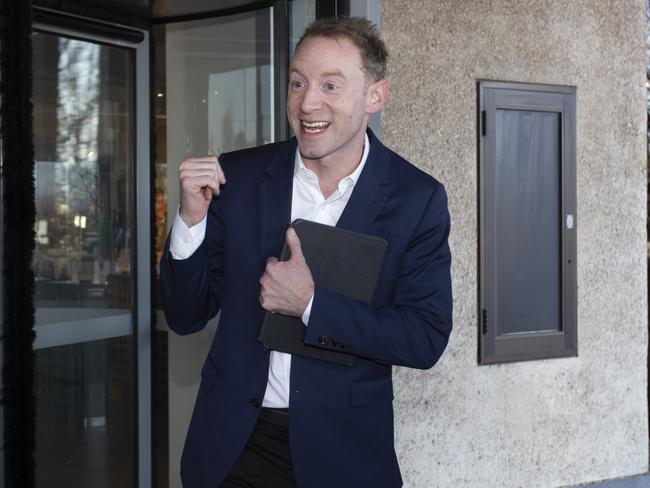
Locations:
342 261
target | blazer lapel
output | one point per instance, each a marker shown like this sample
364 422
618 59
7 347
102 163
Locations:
275 200
369 194
370 191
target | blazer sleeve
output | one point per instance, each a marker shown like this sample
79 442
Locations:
414 329
191 288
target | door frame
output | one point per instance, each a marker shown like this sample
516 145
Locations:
54 22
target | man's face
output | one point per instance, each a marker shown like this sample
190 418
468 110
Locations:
328 100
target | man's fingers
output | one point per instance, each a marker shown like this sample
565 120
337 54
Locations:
202 159
214 174
222 175
206 167
264 303
200 180
204 164
197 184
200 171
286 287
209 192
294 245
264 294
188 165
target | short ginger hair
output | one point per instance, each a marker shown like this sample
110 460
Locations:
362 33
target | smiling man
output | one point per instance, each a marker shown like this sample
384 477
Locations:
268 419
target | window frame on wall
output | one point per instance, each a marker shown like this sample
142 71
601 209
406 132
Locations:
497 346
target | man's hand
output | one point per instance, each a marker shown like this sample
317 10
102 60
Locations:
287 286
200 180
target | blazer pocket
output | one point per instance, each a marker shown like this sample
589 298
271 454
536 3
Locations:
372 391
209 374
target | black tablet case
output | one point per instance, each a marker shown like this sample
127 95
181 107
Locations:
346 262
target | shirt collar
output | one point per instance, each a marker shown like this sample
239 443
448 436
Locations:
347 181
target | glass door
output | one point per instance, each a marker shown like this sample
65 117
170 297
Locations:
220 85
214 92
88 299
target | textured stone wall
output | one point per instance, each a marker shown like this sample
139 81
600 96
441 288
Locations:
542 423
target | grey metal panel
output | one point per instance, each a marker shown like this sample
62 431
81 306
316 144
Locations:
529 100
526 216
143 260
527 254
522 349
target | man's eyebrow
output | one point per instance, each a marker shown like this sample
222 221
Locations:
336 72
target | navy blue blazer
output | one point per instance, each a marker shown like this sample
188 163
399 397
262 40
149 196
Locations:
341 417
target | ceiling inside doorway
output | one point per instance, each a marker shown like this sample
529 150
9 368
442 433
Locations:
141 11
169 8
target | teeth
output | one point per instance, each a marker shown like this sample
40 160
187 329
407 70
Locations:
315 126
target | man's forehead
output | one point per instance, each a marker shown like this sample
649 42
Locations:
327 53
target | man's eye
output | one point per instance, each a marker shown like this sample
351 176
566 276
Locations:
296 84
330 86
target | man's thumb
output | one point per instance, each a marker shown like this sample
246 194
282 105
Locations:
294 244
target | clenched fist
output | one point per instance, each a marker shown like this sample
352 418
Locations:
200 180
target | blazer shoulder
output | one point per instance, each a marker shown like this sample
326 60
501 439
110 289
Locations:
409 177
253 159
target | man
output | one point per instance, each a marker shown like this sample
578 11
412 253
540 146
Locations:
265 418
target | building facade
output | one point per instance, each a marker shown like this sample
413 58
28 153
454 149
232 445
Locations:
214 80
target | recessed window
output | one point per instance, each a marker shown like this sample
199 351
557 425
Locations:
527 222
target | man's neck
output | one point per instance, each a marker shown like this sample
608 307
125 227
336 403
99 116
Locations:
331 172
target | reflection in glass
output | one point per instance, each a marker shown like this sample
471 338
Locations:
303 13
84 422
83 112
214 94
218 78
82 129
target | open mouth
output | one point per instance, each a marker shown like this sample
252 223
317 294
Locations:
314 127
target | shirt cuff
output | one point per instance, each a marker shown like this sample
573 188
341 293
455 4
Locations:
184 240
307 312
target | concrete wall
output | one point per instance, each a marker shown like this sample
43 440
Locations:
542 423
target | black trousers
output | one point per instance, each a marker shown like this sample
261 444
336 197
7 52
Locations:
265 461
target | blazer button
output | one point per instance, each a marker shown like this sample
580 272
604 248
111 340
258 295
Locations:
323 340
255 403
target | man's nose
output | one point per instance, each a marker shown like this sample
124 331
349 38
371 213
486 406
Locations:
311 99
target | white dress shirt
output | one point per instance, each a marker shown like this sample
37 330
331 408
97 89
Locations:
307 202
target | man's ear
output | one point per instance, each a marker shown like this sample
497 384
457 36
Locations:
377 96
